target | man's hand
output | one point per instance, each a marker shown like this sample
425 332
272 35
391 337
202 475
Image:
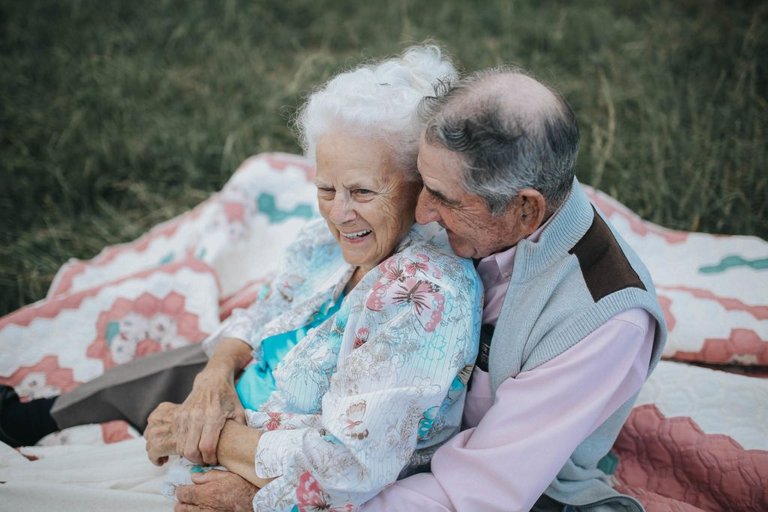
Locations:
160 435
201 417
216 491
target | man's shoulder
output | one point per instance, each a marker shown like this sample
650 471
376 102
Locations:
604 261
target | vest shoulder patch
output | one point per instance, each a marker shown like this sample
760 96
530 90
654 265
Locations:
603 263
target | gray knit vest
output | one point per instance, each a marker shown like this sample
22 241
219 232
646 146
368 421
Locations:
578 275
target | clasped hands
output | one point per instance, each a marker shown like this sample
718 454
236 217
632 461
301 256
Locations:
193 429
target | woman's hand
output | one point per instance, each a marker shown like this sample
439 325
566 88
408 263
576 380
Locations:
212 401
160 435
201 417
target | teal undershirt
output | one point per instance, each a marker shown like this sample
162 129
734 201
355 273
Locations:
257 383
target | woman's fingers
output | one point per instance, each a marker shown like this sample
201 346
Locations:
202 415
156 454
189 439
209 440
159 433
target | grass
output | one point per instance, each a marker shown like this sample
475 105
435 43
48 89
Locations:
117 115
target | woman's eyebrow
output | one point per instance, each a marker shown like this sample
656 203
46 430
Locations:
369 185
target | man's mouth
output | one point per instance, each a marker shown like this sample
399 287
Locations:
356 235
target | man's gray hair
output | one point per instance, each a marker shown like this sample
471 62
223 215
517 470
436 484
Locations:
504 151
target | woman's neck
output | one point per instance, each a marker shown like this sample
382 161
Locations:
357 275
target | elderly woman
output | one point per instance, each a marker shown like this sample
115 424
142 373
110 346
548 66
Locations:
373 320
383 316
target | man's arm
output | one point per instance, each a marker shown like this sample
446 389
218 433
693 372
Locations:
536 422
221 491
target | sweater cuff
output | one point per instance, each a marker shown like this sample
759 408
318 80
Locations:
238 330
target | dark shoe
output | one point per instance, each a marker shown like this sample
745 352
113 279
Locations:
8 397
24 423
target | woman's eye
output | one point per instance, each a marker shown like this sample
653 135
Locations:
362 191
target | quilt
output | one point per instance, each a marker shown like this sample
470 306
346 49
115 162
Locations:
697 438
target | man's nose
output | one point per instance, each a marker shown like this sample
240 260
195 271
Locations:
341 210
425 211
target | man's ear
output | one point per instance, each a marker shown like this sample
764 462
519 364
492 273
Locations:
533 208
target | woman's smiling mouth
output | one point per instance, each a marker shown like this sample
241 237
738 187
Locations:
356 235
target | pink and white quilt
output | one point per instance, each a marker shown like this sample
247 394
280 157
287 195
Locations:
697 438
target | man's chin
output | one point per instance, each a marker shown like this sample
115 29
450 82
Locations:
460 247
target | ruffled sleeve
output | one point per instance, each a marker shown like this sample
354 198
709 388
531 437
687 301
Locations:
310 254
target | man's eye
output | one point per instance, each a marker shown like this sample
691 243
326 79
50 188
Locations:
440 198
325 191
362 191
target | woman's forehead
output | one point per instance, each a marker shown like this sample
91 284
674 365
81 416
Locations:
353 158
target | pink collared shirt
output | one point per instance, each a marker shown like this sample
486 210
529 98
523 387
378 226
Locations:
512 447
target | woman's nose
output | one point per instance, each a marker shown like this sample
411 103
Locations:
425 211
341 210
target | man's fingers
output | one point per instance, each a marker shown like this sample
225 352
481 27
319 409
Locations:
197 495
186 494
185 507
210 476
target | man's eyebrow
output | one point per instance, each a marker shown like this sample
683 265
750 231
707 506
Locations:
440 197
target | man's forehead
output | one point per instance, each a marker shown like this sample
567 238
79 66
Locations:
442 178
439 163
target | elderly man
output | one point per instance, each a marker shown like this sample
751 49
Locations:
571 328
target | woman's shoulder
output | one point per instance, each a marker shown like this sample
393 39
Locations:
425 252
424 280
431 241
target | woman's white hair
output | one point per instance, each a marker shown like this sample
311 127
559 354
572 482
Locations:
379 100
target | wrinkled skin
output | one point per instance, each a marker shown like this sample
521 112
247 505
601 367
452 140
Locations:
160 435
365 199
201 417
192 429
473 231
216 490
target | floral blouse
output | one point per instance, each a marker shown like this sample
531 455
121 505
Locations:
370 393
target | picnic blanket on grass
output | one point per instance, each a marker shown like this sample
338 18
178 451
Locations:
697 438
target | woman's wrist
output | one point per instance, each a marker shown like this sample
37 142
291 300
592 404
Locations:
231 356
237 451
